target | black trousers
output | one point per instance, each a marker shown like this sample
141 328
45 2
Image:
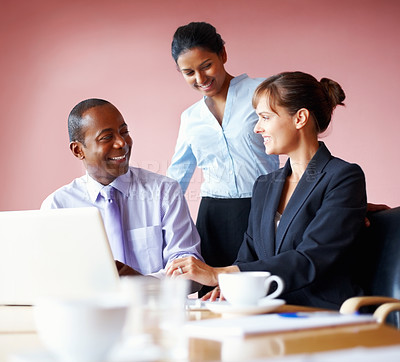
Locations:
221 224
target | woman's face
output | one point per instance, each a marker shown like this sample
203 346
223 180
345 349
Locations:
203 70
277 128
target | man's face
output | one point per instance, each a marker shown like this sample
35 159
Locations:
107 146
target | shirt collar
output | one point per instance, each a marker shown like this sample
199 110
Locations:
233 82
121 183
238 78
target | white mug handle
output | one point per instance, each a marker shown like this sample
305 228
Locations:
279 289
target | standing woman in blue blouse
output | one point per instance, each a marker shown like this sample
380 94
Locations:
216 134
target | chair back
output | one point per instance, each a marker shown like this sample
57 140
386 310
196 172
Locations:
382 240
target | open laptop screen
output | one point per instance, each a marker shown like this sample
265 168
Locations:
54 252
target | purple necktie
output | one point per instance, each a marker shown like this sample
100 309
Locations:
112 222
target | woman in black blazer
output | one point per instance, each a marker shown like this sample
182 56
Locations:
305 218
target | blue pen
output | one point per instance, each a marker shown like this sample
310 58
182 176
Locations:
309 314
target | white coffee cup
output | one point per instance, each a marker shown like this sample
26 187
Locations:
80 329
249 288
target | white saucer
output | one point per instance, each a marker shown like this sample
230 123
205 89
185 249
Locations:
264 306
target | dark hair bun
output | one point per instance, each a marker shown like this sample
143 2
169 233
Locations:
333 91
196 35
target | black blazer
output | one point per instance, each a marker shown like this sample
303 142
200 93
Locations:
316 242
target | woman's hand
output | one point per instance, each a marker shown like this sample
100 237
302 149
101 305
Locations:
374 208
377 207
193 269
213 295
196 270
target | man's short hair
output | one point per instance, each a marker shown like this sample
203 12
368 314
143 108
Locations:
75 118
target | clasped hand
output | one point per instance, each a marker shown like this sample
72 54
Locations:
193 269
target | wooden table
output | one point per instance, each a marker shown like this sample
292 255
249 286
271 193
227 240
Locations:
17 335
296 342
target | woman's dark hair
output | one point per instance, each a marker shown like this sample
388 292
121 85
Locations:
196 34
75 118
296 90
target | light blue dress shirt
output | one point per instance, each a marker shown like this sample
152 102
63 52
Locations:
231 156
155 217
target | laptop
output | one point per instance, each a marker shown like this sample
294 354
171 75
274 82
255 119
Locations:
59 252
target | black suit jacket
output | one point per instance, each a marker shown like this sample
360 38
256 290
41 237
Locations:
316 241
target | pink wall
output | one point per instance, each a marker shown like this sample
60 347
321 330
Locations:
54 54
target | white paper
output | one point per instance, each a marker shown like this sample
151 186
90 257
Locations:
359 354
220 328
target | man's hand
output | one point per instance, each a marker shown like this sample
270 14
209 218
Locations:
124 270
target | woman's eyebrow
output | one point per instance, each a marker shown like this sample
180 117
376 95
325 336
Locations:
201 64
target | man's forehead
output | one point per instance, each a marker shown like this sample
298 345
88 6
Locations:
99 114
98 109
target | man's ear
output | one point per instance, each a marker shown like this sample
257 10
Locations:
301 118
77 149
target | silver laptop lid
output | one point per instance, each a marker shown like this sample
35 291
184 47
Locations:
62 252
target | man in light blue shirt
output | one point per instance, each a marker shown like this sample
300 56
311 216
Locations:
157 227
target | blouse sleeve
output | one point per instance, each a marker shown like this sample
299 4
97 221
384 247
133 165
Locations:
183 162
